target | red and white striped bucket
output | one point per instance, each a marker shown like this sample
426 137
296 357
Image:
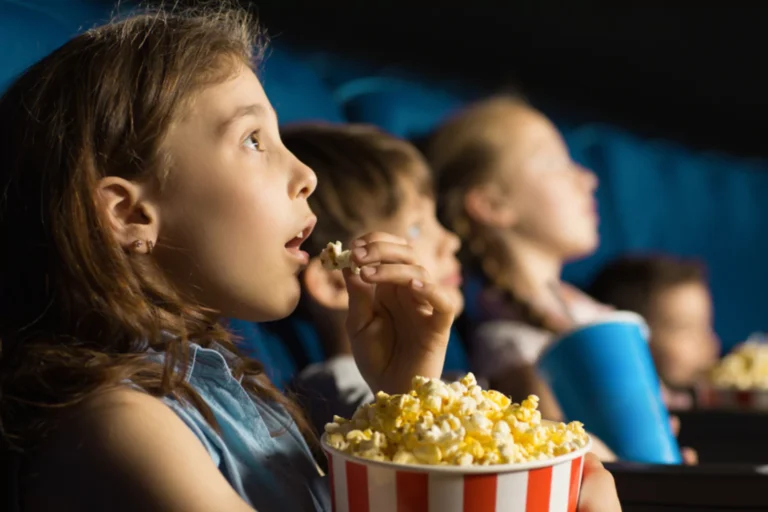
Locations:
361 485
708 397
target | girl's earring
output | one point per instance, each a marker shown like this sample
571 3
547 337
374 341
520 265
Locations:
138 245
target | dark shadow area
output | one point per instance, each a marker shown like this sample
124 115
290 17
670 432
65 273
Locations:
707 488
688 72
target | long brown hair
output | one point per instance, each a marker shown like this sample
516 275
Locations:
463 154
76 311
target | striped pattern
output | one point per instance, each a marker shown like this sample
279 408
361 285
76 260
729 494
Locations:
713 398
356 487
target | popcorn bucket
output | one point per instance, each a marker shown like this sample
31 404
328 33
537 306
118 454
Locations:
711 397
362 485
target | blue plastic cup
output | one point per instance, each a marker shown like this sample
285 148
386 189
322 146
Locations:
602 374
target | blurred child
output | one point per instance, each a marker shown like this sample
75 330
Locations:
368 180
523 208
673 296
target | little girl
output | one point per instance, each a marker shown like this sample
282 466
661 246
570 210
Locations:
508 187
523 208
146 192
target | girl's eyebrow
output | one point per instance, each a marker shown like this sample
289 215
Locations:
254 109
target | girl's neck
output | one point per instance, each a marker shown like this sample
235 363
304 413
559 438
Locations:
535 269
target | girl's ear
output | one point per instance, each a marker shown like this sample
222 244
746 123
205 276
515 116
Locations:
325 287
488 205
131 215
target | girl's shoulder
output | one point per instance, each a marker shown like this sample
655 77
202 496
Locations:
134 450
583 307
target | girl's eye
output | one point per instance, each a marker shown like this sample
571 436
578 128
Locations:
414 231
252 142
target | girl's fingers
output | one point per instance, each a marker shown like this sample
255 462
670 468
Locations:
423 290
433 296
394 273
591 464
674 424
378 236
360 293
598 488
383 252
602 451
690 456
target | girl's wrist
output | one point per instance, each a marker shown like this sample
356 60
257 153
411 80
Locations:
429 364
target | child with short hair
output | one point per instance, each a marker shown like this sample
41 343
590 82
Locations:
368 180
673 296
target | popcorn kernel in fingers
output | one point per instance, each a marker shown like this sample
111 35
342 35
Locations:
334 258
453 424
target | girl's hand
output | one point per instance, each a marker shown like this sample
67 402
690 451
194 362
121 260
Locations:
601 450
399 321
598 489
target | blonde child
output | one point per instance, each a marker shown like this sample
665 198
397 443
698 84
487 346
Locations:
145 192
523 208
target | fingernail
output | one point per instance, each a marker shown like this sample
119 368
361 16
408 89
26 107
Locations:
358 243
417 284
368 271
360 253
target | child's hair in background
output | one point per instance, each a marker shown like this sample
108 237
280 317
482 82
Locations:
630 282
359 171
673 296
76 310
463 154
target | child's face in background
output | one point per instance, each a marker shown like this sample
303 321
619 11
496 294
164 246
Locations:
553 197
235 201
683 340
435 246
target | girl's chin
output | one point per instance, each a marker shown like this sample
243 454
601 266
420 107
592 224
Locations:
458 299
277 306
584 247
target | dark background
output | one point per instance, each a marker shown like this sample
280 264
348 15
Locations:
688 71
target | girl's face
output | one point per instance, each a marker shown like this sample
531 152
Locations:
233 209
683 338
552 196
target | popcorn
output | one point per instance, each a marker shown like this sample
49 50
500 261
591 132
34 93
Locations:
334 258
464 459
404 457
428 454
744 368
452 424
